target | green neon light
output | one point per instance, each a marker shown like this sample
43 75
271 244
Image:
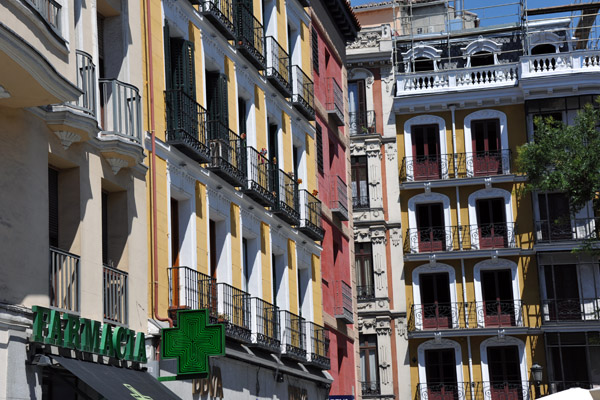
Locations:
192 342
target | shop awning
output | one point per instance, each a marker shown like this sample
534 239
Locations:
116 383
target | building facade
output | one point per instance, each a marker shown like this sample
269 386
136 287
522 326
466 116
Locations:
74 221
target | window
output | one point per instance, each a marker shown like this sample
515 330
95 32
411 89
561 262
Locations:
440 372
436 306
319 140
573 360
487 157
505 372
563 301
363 260
369 364
360 182
423 64
315 50
482 58
426 152
498 305
555 221
430 227
491 223
357 102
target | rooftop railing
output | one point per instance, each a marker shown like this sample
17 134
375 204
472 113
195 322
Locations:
120 110
278 66
64 280
343 302
115 295
260 178
560 63
265 324
250 36
303 93
334 103
362 122
293 335
339 204
86 82
310 215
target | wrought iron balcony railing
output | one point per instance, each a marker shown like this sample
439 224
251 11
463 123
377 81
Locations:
64 280
339 204
265 325
362 122
500 235
86 82
260 178
220 13
494 390
334 103
190 289
227 153
471 315
360 202
453 166
250 36
115 295
120 110
318 351
310 216
293 335
365 292
370 388
278 66
186 125
569 311
567 229
343 302
286 194
49 10
234 312
303 97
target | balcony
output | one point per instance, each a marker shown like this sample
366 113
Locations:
120 111
260 174
476 78
234 312
458 238
362 123
265 325
318 352
64 280
250 36
456 166
343 302
86 82
473 315
360 203
570 311
227 153
498 390
293 336
334 103
286 197
310 216
220 14
303 97
567 230
370 388
192 290
365 292
50 11
339 204
278 67
186 125
115 295
560 63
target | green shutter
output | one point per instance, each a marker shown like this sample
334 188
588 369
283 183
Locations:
182 53
223 100
167 40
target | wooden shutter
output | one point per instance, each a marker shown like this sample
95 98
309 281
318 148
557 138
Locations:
167 40
53 206
183 70
315 50
319 135
222 101
362 98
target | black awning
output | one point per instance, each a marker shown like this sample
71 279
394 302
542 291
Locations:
116 383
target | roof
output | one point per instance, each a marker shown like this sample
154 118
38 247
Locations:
342 14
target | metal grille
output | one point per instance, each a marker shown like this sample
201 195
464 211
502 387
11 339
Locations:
64 280
115 295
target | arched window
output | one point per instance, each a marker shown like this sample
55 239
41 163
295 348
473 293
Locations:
482 58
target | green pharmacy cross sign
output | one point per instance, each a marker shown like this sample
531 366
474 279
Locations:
191 342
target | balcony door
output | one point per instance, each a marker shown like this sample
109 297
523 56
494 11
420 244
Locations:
430 227
564 302
555 217
505 373
363 261
440 370
491 223
487 150
357 107
426 152
360 182
436 307
369 364
498 302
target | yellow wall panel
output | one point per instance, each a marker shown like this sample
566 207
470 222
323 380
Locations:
311 170
287 143
292 276
265 258
202 228
196 37
305 46
317 289
260 113
162 240
236 254
282 33
231 94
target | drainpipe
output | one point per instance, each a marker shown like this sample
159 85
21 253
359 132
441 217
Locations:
153 169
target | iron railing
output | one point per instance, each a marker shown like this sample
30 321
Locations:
190 289
310 215
265 324
362 122
121 110
221 14
234 311
64 280
303 93
227 153
343 302
286 193
186 125
278 66
115 295
319 345
470 315
260 178
567 229
360 202
50 10
496 390
250 36
568 311
500 235
293 335
459 165
370 388
334 102
365 292
86 82
339 202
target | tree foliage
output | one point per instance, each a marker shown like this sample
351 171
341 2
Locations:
565 158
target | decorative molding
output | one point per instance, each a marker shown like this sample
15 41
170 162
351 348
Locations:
366 40
373 150
421 50
362 235
387 77
390 151
67 138
357 149
116 164
396 237
378 236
